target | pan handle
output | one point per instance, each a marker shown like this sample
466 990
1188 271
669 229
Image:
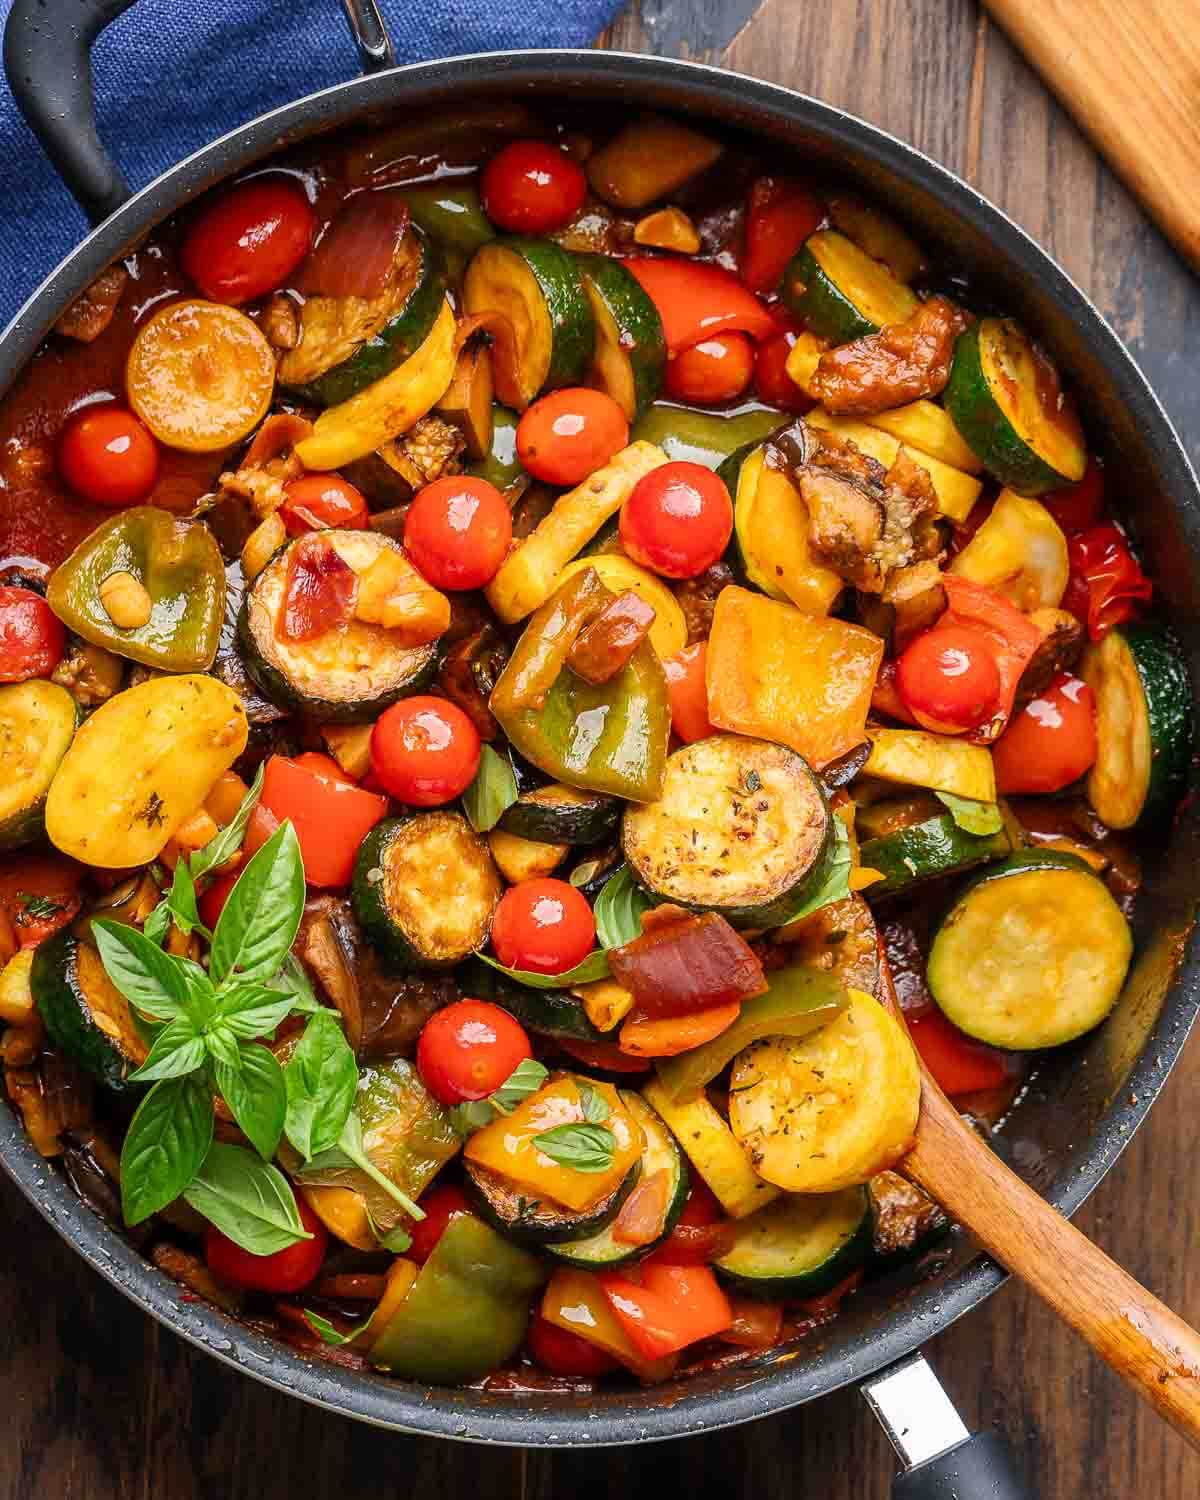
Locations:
47 58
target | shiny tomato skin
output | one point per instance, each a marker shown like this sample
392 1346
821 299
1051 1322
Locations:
319 500
247 241
531 187
330 814
441 1204
288 1270
568 434
772 383
715 370
560 1352
948 679
32 637
544 926
1051 742
107 456
688 692
678 520
457 532
425 751
468 1050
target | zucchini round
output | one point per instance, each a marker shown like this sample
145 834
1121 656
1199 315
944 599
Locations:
424 889
923 851
841 292
1032 954
508 1207
1005 399
84 1013
553 1013
742 828
1143 724
37 725
799 1246
558 814
630 356
325 678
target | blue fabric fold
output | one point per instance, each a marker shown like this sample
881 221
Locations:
172 74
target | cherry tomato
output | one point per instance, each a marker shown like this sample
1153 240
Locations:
212 902
1077 506
568 434
1051 742
458 531
287 1270
467 1050
248 241
319 500
678 520
544 926
561 1352
32 638
772 382
107 456
425 751
330 814
948 679
531 187
715 370
441 1205
688 692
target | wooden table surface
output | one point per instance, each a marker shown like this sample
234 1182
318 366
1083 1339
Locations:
98 1402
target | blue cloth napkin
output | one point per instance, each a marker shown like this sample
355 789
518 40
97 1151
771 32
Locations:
172 74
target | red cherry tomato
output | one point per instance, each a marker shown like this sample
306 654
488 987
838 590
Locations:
532 188
247 241
568 434
1077 506
710 372
287 1270
425 751
948 679
561 1352
331 815
678 520
441 1205
107 456
1051 742
320 500
688 692
212 902
544 926
458 531
772 382
32 638
469 1049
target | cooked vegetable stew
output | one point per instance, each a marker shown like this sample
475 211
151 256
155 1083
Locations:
501 624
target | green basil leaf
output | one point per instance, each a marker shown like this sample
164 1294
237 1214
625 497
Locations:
620 907
585 1148
981 818
261 917
466 1118
247 1199
178 1048
491 793
322 1080
148 978
223 1045
256 1095
165 1145
350 1147
157 924
835 884
252 1010
329 1334
227 843
525 1079
594 966
293 980
595 1105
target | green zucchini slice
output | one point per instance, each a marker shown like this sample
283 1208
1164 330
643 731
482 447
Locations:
506 1206
557 814
424 889
1032 954
349 674
84 1014
742 828
799 1246
1143 724
661 1153
346 343
841 292
631 349
1005 398
37 724
926 850
535 286
553 1013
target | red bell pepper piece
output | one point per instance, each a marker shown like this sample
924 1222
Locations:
320 590
690 964
330 815
665 1308
1106 584
703 1233
696 299
1012 636
756 1325
959 1064
780 215
1077 506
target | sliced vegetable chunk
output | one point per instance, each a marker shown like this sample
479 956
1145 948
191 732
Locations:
799 1246
83 1012
668 633
1020 552
841 292
713 1150
771 527
927 850
631 350
914 757
37 725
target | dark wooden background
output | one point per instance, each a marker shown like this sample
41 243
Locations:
97 1401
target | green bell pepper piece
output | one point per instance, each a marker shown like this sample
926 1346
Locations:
501 466
703 437
799 1000
180 565
451 214
467 1311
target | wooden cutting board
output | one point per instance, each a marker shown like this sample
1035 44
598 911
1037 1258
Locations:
1129 71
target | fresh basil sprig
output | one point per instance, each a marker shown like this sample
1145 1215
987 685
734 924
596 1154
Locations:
322 1079
594 966
492 792
350 1152
247 1199
620 907
583 1147
525 1079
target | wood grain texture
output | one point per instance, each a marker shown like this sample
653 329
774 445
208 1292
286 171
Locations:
100 1404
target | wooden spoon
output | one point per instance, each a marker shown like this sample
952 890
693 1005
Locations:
1155 1351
